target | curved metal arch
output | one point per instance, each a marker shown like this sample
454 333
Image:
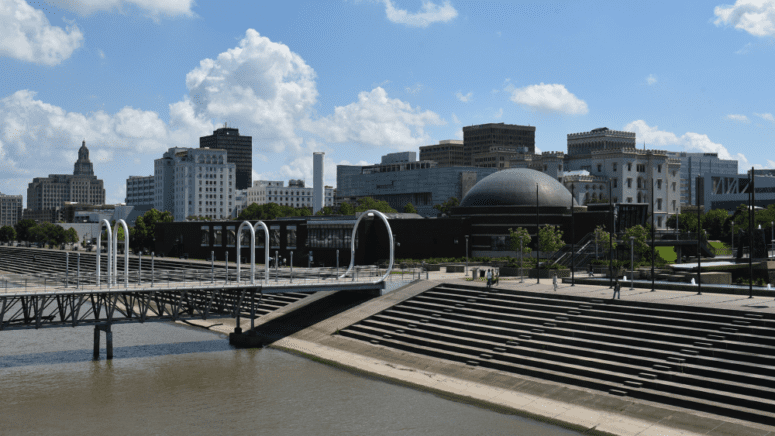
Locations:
252 251
126 252
105 223
266 250
352 242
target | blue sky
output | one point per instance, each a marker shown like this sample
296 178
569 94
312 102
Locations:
358 79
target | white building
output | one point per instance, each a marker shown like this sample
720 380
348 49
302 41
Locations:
10 209
294 195
140 190
194 182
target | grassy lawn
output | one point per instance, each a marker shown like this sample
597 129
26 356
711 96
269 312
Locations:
667 253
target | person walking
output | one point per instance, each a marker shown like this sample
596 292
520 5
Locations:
554 281
489 278
617 290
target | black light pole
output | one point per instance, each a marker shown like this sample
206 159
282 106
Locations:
699 253
751 218
611 237
572 240
652 235
538 242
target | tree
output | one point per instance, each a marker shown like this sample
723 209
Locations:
328 210
446 207
516 236
23 228
142 235
550 238
641 234
270 211
71 236
602 238
346 209
7 234
409 208
368 203
714 221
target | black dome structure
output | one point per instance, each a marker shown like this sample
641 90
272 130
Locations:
517 187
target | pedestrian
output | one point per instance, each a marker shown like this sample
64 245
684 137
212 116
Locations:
591 271
617 290
497 278
489 278
554 281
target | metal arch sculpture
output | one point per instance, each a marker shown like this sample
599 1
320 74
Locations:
126 252
252 251
352 242
99 250
266 249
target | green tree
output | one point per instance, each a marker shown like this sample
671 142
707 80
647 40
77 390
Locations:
516 236
641 235
23 228
142 235
409 208
368 203
328 210
602 238
7 234
714 221
346 209
71 236
550 238
446 207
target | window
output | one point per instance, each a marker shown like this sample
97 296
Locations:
217 236
231 236
274 236
205 236
629 166
659 183
659 168
673 186
639 183
659 204
615 166
659 221
599 168
616 182
629 199
290 237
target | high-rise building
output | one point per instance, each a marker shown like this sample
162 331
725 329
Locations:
317 182
194 182
239 150
140 190
447 153
81 187
495 141
699 164
296 194
10 209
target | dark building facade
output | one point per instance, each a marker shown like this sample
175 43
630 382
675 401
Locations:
500 137
239 151
447 153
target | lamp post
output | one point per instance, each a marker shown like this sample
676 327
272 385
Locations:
572 240
611 237
466 274
772 233
521 249
751 218
699 253
538 242
632 261
653 254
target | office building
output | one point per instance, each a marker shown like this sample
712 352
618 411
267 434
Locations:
10 209
194 182
421 183
584 143
53 191
724 191
140 190
447 153
296 194
698 164
239 150
318 201
489 142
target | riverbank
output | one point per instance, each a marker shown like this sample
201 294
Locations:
571 407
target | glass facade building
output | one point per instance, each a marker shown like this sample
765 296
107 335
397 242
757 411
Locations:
239 151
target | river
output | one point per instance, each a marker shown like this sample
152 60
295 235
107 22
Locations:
176 380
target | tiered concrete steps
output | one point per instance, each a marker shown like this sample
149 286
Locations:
717 361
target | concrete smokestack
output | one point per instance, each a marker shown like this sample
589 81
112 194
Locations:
317 182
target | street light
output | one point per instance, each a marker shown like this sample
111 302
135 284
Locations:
466 256
572 240
632 261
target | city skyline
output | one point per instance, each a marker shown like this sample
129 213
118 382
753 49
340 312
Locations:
361 79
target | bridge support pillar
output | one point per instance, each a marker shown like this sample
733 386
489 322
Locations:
108 341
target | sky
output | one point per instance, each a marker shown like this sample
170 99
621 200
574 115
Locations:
360 79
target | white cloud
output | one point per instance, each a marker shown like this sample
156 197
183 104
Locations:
549 97
455 119
756 17
768 117
771 163
27 35
464 98
738 117
459 134
498 114
429 13
101 54
377 121
651 79
745 50
411 90
689 141
154 8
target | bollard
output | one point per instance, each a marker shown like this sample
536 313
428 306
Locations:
140 269
291 266
152 259
276 263
212 267
78 280
337 264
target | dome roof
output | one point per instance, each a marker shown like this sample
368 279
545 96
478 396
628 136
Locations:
517 187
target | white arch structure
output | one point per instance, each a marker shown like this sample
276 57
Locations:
370 212
253 250
99 251
126 252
